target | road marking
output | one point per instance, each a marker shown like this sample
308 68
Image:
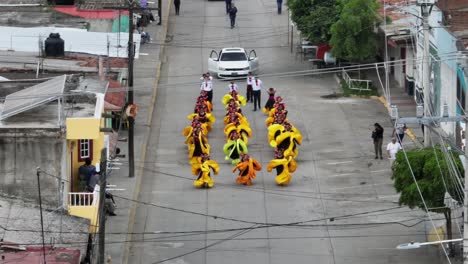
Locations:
331 150
339 162
144 54
359 186
379 170
388 196
342 174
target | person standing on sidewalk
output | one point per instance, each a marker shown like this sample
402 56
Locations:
280 4
393 148
256 93
250 80
233 14
228 5
177 6
377 136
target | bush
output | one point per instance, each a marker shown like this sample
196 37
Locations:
348 91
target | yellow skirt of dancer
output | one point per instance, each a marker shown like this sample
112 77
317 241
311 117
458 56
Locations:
284 169
203 170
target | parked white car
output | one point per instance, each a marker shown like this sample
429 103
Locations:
232 63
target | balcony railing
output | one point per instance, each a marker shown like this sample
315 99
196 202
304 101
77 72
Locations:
82 199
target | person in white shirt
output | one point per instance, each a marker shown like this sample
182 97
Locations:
256 93
207 85
232 87
250 80
393 148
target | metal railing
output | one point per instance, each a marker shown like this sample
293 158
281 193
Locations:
82 199
356 84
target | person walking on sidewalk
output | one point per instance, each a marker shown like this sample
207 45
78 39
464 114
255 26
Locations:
377 136
228 5
233 14
256 92
280 4
393 148
177 6
399 132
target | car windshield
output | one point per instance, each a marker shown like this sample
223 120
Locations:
233 56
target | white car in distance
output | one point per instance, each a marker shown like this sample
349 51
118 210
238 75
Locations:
232 63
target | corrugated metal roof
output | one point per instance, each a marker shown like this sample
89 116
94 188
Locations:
32 97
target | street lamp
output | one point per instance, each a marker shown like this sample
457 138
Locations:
414 245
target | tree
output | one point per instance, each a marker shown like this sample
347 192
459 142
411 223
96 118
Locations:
352 36
314 18
433 181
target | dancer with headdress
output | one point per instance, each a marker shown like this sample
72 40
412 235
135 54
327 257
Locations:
203 170
284 166
247 167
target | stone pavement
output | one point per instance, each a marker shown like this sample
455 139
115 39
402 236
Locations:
146 77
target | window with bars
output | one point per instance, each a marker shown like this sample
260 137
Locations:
85 149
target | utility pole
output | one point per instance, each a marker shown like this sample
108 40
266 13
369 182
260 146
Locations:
132 6
131 120
426 8
102 202
465 200
40 209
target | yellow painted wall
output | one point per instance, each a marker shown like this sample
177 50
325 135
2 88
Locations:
83 128
88 212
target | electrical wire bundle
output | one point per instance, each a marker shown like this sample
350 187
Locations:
197 141
237 130
284 137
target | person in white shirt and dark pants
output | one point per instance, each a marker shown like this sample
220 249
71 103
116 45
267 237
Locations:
256 93
250 80
232 87
207 85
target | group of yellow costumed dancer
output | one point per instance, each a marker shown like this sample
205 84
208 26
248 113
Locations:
282 136
237 131
197 142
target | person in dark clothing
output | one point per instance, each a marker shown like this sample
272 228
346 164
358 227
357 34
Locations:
280 4
228 5
377 136
232 15
85 172
177 6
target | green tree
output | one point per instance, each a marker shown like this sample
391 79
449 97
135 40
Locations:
352 36
432 180
314 18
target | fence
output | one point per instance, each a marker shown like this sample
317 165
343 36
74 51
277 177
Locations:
82 199
356 84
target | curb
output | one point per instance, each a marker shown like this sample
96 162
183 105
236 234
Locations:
139 171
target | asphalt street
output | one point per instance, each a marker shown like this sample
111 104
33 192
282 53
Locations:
340 206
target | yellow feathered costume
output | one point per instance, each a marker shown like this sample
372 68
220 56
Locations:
203 170
284 167
247 168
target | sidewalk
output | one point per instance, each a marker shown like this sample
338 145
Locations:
405 103
146 78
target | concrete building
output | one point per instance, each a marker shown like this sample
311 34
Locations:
53 125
